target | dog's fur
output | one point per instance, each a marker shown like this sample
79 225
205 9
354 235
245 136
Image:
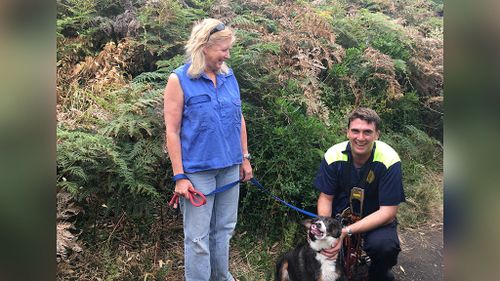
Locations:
305 262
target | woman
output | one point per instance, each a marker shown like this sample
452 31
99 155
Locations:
207 145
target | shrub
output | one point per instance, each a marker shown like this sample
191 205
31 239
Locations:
421 158
122 160
74 30
365 77
376 30
401 112
287 147
95 170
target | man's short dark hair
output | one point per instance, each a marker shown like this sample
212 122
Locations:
367 114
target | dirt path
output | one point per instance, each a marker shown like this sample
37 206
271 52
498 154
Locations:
421 256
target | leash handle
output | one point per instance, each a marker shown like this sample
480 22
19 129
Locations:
195 197
257 183
199 199
174 201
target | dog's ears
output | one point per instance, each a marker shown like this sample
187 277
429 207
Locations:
307 223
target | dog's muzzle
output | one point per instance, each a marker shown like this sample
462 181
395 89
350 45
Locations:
316 230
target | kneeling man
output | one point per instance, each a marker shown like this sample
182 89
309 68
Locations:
373 166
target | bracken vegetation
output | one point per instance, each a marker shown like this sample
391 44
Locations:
301 65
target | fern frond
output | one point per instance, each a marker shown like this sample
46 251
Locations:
146 77
71 187
245 21
167 66
76 171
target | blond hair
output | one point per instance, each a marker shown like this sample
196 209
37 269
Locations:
201 38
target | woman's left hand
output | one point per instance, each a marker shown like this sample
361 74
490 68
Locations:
246 170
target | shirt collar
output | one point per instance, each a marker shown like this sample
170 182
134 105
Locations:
221 77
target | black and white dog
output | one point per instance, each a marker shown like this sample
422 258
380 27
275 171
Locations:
305 262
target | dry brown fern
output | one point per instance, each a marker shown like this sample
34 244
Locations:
79 83
308 49
427 64
109 67
66 243
383 69
105 68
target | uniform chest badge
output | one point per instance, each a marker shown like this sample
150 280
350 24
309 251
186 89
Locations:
371 177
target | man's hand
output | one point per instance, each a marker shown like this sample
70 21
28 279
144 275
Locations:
333 252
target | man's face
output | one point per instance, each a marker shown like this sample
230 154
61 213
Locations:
361 135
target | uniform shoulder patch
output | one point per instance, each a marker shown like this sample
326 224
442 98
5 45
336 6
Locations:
334 153
385 154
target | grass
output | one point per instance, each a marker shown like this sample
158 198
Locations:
424 202
254 259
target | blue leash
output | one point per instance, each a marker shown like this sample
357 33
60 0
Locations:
257 183
223 188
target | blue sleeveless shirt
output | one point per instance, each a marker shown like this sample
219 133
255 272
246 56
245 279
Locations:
211 121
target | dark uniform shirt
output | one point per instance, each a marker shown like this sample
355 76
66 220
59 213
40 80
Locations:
383 186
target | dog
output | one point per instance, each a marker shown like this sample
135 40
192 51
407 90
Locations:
305 262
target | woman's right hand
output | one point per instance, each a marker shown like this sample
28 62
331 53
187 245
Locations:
182 187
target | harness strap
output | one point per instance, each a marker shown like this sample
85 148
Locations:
346 170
